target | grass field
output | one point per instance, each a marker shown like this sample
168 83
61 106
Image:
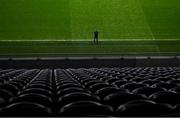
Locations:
65 27
88 48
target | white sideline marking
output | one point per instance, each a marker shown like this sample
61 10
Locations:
68 40
92 53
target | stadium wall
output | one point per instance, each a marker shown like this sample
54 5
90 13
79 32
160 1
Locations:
100 62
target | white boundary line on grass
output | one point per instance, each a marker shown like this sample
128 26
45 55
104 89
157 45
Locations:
62 40
93 53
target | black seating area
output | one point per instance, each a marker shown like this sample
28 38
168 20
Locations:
90 92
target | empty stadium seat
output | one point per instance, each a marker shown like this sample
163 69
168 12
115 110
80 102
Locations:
165 85
16 84
176 110
176 89
147 90
90 83
64 86
39 86
143 108
177 82
120 82
166 97
34 98
110 81
150 82
98 86
10 88
2 102
71 90
105 92
77 96
86 109
118 98
36 91
132 86
137 80
23 109
5 94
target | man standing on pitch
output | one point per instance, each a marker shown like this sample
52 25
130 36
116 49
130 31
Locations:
96 37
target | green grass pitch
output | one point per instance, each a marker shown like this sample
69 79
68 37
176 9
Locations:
61 27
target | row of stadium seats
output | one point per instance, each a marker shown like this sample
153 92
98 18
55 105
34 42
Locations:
141 91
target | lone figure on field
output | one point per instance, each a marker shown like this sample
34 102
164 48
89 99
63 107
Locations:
96 37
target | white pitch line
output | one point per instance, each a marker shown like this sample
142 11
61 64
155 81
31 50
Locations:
91 53
76 40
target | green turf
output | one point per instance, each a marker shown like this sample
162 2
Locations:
64 23
77 19
87 48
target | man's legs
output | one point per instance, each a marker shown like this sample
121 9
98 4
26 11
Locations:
97 40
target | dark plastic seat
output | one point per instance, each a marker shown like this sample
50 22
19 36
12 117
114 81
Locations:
147 90
5 94
164 79
71 90
128 77
22 81
132 86
166 97
117 99
65 86
176 89
25 109
78 96
104 78
32 97
151 82
176 110
138 80
165 85
102 93
88 84
41 86
42 83
120 82
143 108
152 77
11 88
65 82
43 80
2 102
36 91
175 82
98 86
83 81
110 81
18 85
86 109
